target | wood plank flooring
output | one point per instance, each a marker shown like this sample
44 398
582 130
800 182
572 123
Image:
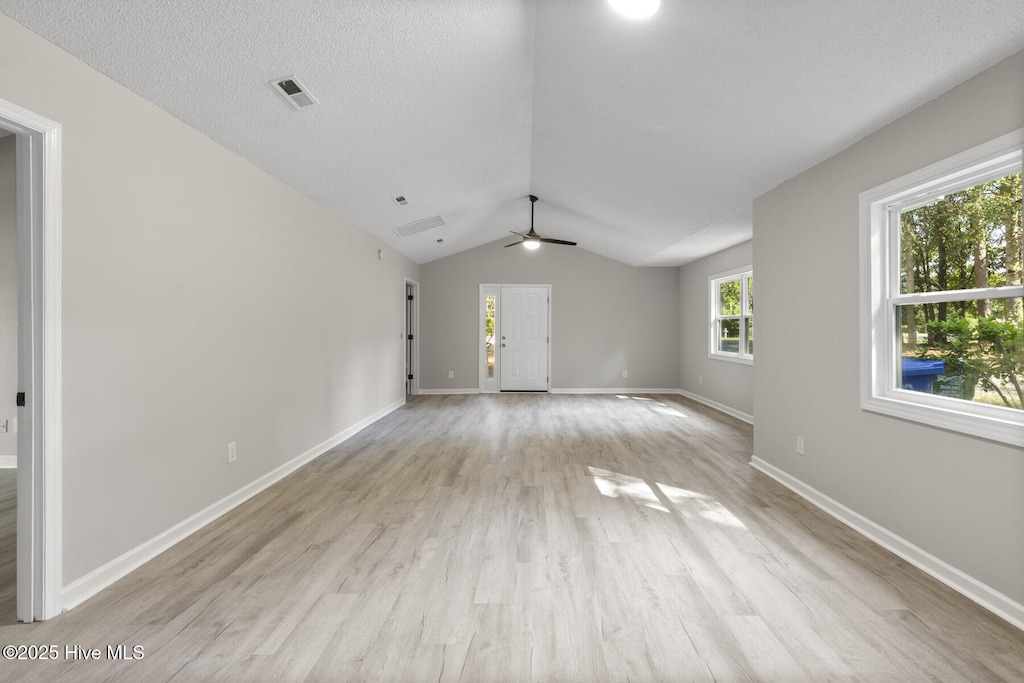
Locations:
530 538
8 549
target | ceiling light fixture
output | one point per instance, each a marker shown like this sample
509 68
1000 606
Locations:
530 243
635 9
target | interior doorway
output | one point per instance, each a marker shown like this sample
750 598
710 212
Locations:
516 337
412 337
8 379
38 397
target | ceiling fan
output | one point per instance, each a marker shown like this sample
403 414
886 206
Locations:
531 240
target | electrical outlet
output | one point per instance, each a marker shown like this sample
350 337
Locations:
451 374
625 374
232 452
800 445
3 426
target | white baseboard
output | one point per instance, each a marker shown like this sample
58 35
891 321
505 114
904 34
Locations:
989 598
622 390
92 583
721 407
446 392
8 462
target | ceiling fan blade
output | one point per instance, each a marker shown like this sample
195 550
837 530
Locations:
514 244
554 241
521 234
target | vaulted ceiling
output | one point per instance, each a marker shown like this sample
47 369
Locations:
646 141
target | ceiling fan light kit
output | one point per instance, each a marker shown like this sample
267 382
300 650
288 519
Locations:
531 240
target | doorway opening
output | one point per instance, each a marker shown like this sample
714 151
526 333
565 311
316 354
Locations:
412 337
8 379
37 401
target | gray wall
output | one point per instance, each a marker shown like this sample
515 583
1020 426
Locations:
725 383
8 296
606 317
960 499
204 302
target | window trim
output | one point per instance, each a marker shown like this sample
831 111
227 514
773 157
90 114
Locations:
879 295
743 274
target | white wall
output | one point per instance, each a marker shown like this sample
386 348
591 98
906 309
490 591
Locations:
8 300
204 302
960 499
721 382
606 317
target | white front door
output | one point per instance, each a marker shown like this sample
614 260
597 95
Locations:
523 342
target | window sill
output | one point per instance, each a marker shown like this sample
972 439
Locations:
1008 430
742 360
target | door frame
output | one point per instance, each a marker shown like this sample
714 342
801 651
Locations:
486 386
39 544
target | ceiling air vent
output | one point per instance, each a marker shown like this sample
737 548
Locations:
419 226
294 92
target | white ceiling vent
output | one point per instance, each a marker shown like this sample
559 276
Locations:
419 226
294 92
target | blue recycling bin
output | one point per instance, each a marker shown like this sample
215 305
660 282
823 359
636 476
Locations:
919 375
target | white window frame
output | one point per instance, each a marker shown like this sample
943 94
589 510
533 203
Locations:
743 275
880 209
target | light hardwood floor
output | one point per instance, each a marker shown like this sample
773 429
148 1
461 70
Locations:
8 537
531 538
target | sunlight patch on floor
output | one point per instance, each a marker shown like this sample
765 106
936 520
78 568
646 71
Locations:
690 504
614 485
668 410
660 406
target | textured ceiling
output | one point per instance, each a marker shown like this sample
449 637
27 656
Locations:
645 141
